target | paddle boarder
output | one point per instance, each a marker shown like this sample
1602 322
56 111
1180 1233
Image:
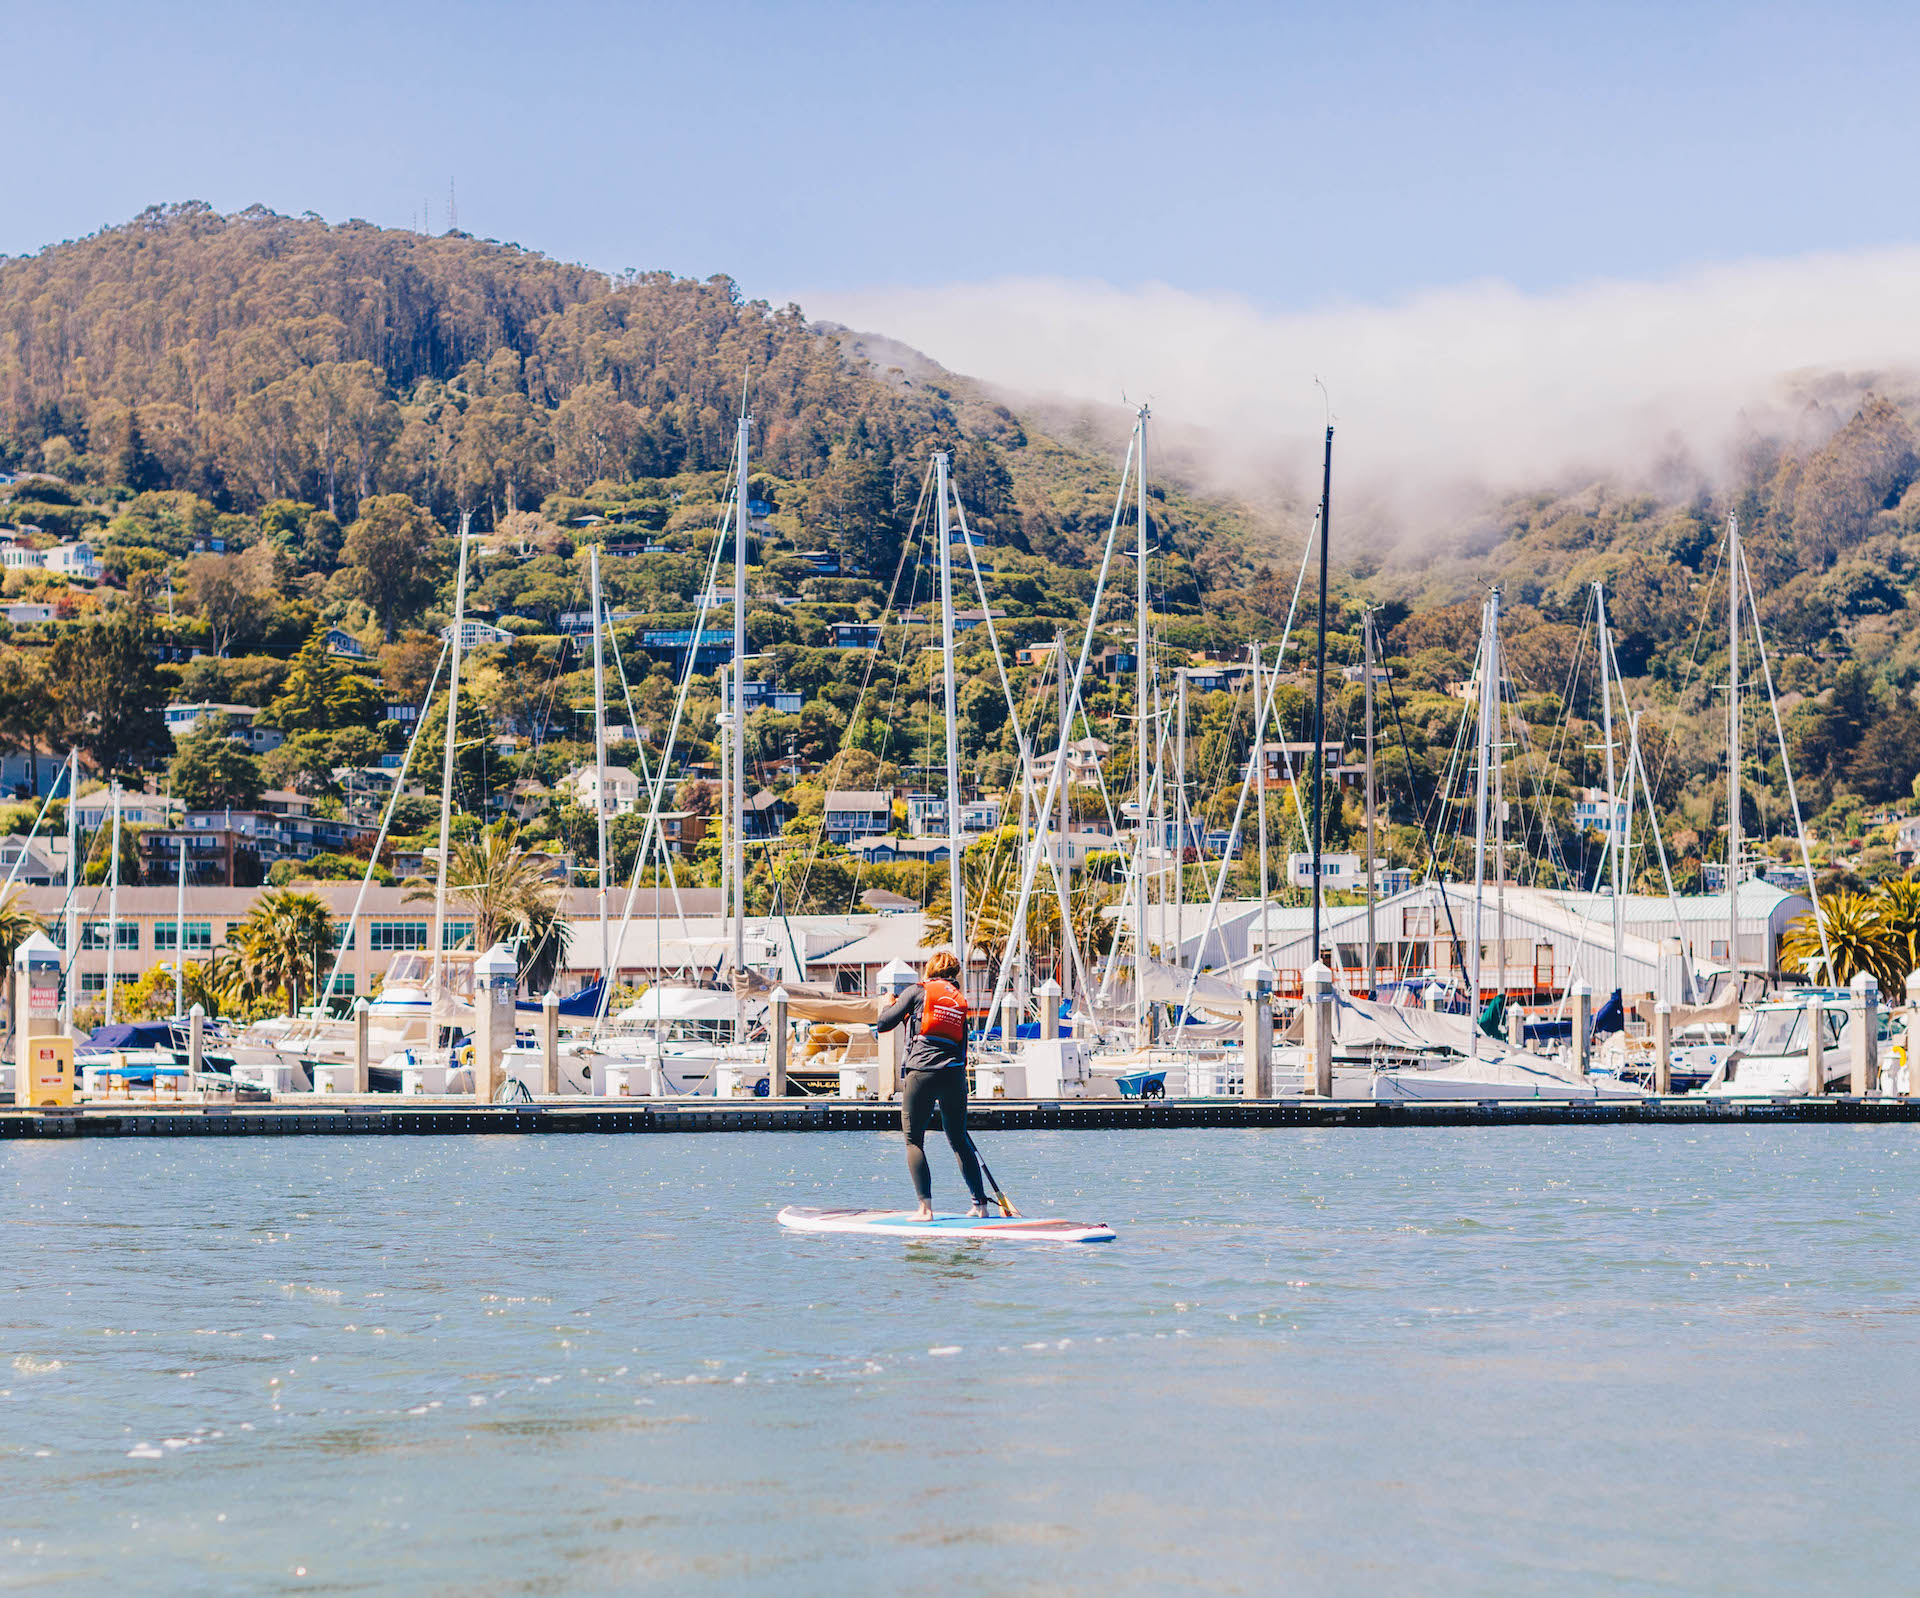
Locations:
935 1072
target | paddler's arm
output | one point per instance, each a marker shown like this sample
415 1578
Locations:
898 1011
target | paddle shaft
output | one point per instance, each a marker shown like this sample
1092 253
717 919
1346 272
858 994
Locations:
986 1170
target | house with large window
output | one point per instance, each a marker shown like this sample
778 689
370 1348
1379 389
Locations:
854 813
622 794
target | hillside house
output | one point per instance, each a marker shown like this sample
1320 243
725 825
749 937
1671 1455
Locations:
855 813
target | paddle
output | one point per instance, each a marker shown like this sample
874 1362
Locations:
1006 1204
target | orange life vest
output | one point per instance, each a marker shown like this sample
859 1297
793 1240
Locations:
943 1011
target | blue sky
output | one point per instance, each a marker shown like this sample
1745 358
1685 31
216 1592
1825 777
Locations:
1295 157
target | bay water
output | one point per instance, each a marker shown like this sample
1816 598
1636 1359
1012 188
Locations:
1486 1360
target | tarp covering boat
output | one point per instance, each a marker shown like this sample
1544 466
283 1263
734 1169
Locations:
809 1001
581 1006
1721 1012
123 1036
668 1002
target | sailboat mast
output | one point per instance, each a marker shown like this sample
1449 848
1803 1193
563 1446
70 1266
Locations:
1733 750
113 901
1261 697
1141 728
72 924
1366 634
956 880
446 757
1180 827
1320 686
1489 622
1615 874
737 751
180 932
600 758
1065 978
723 722
1499 821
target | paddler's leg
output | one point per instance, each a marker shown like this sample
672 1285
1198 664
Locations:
916 1110
953 1116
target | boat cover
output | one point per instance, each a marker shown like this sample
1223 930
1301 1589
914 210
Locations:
581 1006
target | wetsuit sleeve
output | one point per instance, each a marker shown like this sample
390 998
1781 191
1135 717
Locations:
900 1010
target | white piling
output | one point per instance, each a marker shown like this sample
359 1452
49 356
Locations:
1582 997
1047 996
1256 1032
1319 1031
1816 1083
550 1042
1663 1048
362 1065
1863 1035
779 1040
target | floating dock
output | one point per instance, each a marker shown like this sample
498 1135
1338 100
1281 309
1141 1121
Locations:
389 1115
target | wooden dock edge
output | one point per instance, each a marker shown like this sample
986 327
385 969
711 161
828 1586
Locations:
445 1117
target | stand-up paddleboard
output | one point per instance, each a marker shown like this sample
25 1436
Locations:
904 1223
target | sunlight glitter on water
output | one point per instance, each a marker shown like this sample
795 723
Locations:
587 1363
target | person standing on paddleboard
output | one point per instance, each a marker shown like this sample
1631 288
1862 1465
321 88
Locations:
935 1072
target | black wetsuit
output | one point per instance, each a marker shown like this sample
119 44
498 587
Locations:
934 1072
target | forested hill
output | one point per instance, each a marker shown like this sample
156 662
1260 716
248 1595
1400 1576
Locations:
257 358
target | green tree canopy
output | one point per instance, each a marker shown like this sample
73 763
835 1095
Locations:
322 693
212 771
388 559
107 696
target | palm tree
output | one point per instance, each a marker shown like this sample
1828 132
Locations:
18 922
281 944
510 895
1900 925
1856 934
990 871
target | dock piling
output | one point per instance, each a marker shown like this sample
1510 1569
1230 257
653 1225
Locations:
779 1041
1863 1034
1663 1048
361 1045
1582 997
197 1039
1010 1008
1047 996
1318 1030
1816 1048
550 1042
1256 1032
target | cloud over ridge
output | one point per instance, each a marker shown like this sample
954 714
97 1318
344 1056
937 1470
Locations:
1450 391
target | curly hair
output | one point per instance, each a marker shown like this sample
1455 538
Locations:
945 964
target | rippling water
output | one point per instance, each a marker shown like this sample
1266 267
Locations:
1642 1359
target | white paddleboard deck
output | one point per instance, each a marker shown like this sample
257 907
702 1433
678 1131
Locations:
904 1223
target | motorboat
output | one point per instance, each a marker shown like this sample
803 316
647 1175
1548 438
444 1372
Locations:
1769 1057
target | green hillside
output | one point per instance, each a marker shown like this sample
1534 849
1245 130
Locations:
264 426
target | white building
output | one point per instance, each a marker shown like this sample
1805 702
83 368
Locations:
68 560
243 724
1085 757
1336 871
622 795
1590 813
477 632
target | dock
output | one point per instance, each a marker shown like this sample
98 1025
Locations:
391 1115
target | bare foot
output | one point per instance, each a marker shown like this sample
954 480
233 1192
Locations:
924 1213
979 1211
